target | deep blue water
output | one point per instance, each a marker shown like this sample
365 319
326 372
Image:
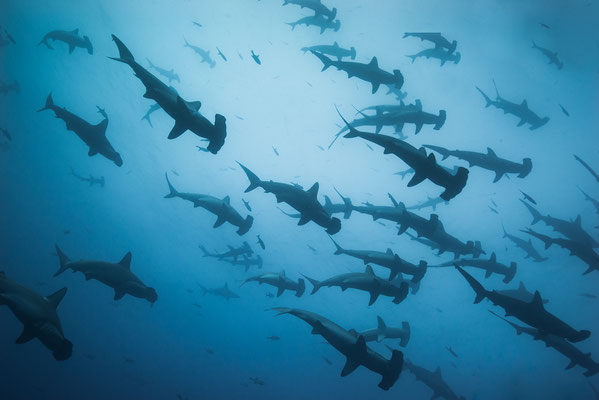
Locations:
127 349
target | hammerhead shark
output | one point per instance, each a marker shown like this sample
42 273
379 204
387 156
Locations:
94 136
527 246
246 261
184 113
532 313
408 114
366 281
171 75
521 293
37 314
118 276
562 346
317 20
353 346
434 380
388 260
424 164
551 55
306 202
382 332
71 38
570 229
588 167
333 50
526 115
205 54
316 6
429 202
367 72
490 266
92 180
280 281
220 207
221 292
489 161
434 37
438 53
233 252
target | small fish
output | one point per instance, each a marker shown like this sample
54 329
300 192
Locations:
312 248
200 148
564 110
247 204
275 150
256 58
273 338
527 197
380 223
320 147
309 84
326 360
6 134
494 204
544 25
66 231
209 350
367 145
261 243
453 353
220 53
198 305
175 172
240 56
129 360
238 117
196 24
494 210
588 295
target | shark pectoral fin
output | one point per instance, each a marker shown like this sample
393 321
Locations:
498 176
416 179
375 87
118 294
488 273
219 221
418 127
571 365
349 367
522 122
373 296
27 335
92 152
280 291
303 220
177 130
317 328
71 48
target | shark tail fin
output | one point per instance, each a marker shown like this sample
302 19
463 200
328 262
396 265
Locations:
393 370
536 215
63 261
49 103
301 288
511 272
125 55
440 120
254 180
171 188
314 283
478 288
338 249
352 51
405 325
243 229
487 98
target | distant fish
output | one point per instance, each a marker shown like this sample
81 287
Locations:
527 197
453 353
320 147
326 360
247 204
367 145
198 305
175 172
197 24
205 150
494 204
312 248
238 117
240 56
257 381
588 295
309 84
256 58
544 25
564 110
66 231
6 134
261 243
220 53
494 210
273 338
209 350
129 360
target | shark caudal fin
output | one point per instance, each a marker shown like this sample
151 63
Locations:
338 249
171 188
254 180
217 142
314 283
243 229
301 288
352 53
526 168
326 61
63 261
405 338
49 103
487 98
536 215
440 120
511 272
480 291
125 55
393 370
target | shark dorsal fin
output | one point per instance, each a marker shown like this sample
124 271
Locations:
335 44
578 220
522 287
524 103
226 285
194 105
374 62
491 152
369 270
493 257
75 31
537 300
282 273
55 298
227 200
380 323
422 150
389 251
313 191
438 372
126 261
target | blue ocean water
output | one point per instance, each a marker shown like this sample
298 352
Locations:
128 349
